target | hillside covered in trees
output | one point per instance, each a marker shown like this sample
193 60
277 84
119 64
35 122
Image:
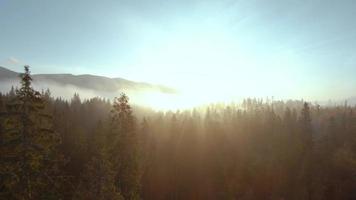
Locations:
96 149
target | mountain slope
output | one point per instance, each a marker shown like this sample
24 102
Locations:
86 81
7 74
95 85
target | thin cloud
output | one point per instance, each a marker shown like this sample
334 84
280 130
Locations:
12 60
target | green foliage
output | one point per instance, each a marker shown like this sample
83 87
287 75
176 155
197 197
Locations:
123 148
98 181
257 150
28 145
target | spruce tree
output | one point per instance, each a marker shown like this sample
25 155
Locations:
306 127
306 170
28 146
98 180
124 148
2 113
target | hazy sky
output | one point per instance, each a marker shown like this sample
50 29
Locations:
281 48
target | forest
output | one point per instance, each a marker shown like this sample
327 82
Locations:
97 149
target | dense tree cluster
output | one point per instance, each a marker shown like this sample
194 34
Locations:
97 149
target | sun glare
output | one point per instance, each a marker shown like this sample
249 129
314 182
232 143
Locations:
186 99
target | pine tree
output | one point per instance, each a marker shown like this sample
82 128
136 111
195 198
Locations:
306 136
2 118
306 127
2 113
12 92
98 180
28 146
124 148
96 141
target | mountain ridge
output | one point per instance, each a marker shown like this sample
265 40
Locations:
87 81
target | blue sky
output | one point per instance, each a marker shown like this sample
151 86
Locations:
283 48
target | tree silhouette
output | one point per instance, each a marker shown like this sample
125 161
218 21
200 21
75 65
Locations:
124 150
29 146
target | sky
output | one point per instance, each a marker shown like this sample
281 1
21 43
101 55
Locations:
209 49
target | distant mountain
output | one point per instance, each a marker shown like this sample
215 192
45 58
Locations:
7 74
66 84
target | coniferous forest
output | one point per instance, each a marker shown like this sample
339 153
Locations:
96 149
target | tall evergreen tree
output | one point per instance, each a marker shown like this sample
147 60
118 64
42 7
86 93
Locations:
306 170
2 113
98 180
124 148
306 126
28 146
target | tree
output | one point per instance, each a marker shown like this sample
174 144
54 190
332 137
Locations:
2 114
306 161
98 180
306 126
29 160
124 149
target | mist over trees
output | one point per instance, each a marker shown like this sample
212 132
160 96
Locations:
97 149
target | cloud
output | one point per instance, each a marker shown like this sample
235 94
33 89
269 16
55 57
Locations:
12 60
